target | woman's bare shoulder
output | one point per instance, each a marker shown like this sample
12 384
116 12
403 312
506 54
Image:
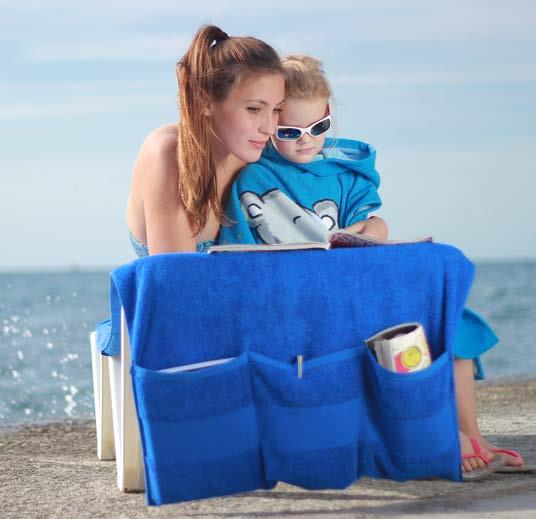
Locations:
162 141
158 155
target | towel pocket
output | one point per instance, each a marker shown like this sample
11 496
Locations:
411 431
199 432
309 425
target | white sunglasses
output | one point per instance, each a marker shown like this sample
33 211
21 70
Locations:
293 133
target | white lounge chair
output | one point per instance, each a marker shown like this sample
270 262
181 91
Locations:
118 435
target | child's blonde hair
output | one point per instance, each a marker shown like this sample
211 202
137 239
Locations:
304 77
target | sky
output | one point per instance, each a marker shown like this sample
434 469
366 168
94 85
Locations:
445 92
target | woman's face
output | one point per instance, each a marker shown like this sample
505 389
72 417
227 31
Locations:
246 119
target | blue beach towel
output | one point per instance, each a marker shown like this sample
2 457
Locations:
253 421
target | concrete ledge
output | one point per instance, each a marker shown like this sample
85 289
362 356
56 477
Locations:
51 470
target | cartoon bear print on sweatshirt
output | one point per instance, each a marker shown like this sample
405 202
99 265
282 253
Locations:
278 219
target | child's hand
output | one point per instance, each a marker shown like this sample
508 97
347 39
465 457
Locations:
356 227
374 226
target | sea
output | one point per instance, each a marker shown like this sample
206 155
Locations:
46 318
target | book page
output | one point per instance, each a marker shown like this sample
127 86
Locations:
238 247
342 238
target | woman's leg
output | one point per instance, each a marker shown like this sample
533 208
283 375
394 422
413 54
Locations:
466 406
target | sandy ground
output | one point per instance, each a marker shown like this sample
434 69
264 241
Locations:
51 470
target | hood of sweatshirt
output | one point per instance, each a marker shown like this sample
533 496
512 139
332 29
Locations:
344 154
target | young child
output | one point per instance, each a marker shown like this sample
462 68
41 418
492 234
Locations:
306 185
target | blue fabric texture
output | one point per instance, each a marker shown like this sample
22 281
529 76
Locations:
206 441
253 421
473 338
142 250
278 201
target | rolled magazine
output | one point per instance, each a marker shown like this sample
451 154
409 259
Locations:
402 348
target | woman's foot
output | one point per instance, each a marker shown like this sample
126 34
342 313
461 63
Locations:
511 458
475 459
480 454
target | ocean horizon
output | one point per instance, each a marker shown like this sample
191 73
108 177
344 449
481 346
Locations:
46 317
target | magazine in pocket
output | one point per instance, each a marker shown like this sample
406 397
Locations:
411 428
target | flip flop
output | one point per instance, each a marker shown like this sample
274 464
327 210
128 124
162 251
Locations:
513 454
491 466
511 469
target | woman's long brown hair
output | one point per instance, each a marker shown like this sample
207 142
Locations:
208 71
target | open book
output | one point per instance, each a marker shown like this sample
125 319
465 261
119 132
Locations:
336 239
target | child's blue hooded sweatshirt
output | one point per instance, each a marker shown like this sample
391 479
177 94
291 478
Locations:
278 201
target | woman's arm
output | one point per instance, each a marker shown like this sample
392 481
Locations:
166 225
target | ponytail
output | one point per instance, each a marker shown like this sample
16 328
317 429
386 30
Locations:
207 72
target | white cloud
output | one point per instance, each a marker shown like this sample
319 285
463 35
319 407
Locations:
77 105
136 47
128 8
90 98
85 87
348 25
468 75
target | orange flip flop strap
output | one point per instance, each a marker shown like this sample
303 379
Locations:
510 452
477 451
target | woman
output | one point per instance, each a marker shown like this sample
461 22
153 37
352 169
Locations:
230 92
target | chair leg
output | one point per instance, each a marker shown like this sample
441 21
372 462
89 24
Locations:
130 468
103 404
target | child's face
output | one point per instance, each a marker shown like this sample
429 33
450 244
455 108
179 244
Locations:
301 113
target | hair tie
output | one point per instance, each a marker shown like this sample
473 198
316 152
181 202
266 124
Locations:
222 37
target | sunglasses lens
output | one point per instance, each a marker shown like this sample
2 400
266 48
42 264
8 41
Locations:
288 134
321 127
